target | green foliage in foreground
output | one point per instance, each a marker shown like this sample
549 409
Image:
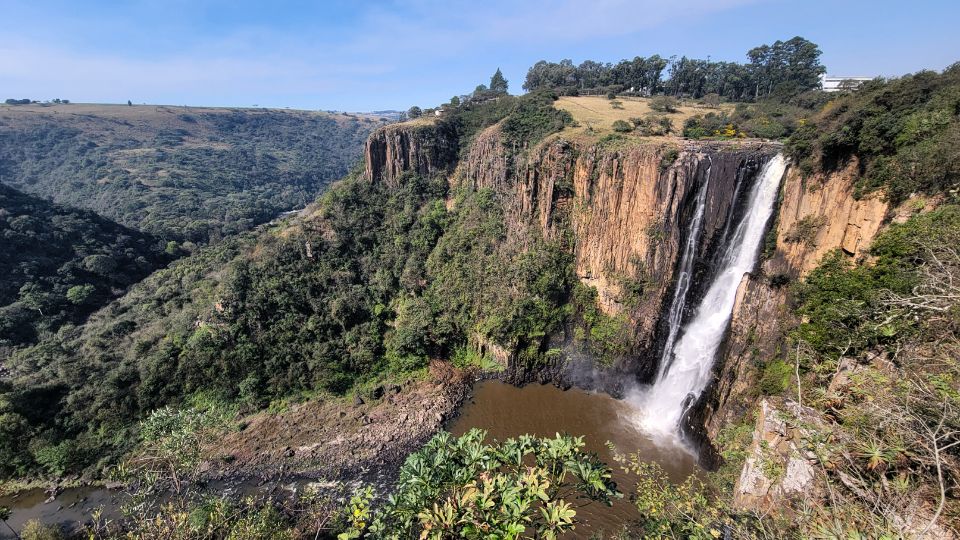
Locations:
463 487
452 488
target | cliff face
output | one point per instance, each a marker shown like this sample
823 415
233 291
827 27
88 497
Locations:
423 148
628 208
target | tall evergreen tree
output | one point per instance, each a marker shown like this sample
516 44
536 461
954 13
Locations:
498 84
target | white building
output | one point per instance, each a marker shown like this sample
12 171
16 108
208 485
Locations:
834 83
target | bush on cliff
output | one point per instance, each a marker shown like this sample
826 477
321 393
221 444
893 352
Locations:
905 133
877 353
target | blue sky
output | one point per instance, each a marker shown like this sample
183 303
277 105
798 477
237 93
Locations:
362 56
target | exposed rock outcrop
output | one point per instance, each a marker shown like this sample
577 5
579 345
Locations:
422 147
340 438
820 214
776 467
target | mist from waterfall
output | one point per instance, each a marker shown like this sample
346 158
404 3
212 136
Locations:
685 368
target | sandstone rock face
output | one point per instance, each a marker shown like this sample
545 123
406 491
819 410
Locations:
424 148
824 208
816 216
774 469
627 207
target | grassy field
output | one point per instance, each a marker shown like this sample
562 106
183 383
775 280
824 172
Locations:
596 114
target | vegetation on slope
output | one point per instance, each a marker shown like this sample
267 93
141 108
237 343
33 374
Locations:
377 280
878 356
182 173
60 264
904 132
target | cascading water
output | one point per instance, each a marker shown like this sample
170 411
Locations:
686 365
685 273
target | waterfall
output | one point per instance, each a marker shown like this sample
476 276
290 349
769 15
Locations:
685 272
686 366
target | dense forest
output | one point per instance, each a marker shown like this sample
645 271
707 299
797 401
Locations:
60 264
187 174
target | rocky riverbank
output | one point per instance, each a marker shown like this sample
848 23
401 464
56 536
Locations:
357 437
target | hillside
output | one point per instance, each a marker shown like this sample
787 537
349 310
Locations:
185 173
60 264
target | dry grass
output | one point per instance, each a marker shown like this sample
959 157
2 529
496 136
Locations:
596 114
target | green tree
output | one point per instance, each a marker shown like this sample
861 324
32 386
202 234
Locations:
414 112
406 343
498 84
14 432
35 297
100 264
79 294
786 67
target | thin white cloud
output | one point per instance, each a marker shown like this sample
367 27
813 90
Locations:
383 49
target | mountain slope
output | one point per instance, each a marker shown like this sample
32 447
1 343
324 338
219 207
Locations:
185 173
61 263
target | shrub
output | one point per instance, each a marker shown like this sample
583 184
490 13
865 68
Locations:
35 530
664 104
775 378
711 100
79 294
621 127
653 126
464 487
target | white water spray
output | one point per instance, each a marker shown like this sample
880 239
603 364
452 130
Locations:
685 369
685 273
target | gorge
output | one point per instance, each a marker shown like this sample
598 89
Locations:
726 306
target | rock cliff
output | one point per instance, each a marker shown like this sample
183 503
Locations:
626 206
423 147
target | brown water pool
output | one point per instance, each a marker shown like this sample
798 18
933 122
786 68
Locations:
503 411
507 411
